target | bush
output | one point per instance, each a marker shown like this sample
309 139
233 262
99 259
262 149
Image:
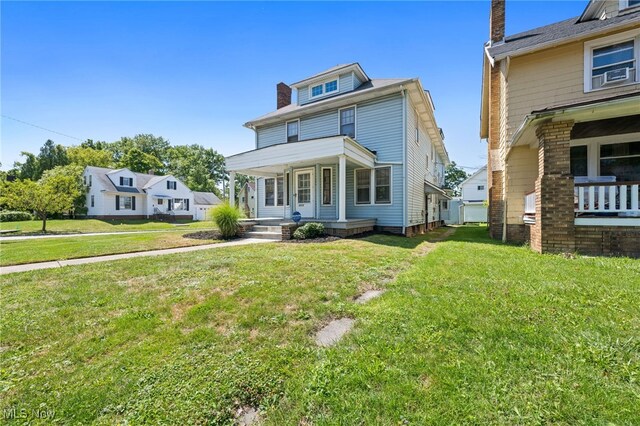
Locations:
13 216
226 217
308 231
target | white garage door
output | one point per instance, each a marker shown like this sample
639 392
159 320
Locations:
475 213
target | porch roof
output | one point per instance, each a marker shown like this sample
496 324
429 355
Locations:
430 188
271 160
599 109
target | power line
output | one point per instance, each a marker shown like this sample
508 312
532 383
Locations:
42 128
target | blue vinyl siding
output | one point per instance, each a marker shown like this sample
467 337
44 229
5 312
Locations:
379 127
271 135
385 214
319 126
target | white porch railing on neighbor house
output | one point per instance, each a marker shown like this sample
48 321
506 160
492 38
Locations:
621 197
589 198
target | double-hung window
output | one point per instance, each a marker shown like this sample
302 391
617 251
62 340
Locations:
363 186
181 204
621 160
373 184
612 61
172 184
348 122
125 202
125 181
275 191
383 185
292 131
624 4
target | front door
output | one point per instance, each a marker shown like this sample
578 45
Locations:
303 192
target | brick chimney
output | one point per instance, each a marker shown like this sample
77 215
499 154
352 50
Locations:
496 21
284 95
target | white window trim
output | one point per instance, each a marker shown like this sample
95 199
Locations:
122 204
275 192
355 120
593 148
323 83
372 187
624 4
330 186
589 47
180 209
286 130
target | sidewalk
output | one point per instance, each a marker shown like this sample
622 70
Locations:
93 234
60 263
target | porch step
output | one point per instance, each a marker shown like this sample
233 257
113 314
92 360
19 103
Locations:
264 235
267 228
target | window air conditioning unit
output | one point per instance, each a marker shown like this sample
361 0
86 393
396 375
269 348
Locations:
614 76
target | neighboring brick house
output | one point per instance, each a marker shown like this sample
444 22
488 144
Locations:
561 113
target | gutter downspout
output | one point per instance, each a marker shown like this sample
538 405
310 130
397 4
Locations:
504 208
404 159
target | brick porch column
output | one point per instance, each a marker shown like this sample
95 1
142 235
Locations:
554 230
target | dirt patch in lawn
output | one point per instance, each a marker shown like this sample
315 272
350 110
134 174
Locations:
326 239
204 235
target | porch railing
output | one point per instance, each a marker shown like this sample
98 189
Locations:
621 197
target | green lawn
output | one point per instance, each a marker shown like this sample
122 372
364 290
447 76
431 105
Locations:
473 332
44 249
95 225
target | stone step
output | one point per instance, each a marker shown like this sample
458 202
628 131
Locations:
267 228
264 235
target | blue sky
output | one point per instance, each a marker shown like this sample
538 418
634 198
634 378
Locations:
195 72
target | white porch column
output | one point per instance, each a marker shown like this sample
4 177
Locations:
232 189
342 188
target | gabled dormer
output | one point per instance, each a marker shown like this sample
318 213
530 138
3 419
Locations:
337 80
605 9
123 179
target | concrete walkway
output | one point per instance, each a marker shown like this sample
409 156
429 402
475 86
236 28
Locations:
60 263
94 234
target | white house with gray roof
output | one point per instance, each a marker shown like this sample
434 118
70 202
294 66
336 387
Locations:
352 152
123 194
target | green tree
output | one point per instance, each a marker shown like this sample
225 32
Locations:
200 168
49 195
453 177
30 169
157 147
141 162
82 156
68 180
51 155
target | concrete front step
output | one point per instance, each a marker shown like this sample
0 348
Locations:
264 235
267 228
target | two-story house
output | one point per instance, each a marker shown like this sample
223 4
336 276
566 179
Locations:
352 152
561 113
474 196
123 194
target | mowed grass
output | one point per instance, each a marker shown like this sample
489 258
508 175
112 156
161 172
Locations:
473 332
95 225
45 249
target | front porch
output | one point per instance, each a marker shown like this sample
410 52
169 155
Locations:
573 181
317 178
282 229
